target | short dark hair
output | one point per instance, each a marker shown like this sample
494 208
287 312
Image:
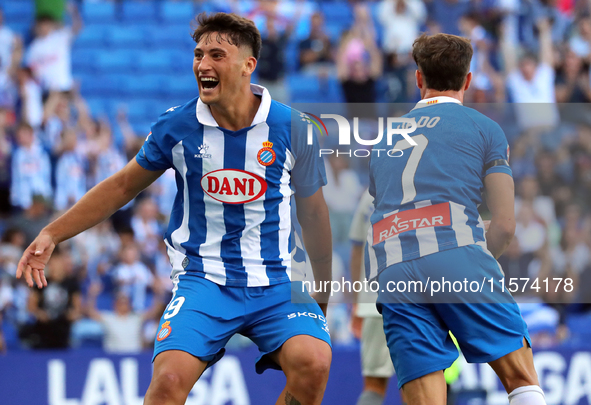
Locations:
443 60
239 31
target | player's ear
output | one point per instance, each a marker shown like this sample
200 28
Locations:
468 81
419 79
250 65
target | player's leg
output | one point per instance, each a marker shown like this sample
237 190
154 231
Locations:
420 348
175 373
518 375
292 337
429 389
192 336
305 361
419 342
492 329
376 364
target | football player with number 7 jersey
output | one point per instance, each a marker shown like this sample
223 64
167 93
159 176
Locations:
426 228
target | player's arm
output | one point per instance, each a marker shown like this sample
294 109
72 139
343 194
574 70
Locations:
97 205
500 196
312 215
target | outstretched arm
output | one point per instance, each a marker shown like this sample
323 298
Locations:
313 217
98 204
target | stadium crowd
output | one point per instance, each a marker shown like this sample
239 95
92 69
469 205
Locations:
108 285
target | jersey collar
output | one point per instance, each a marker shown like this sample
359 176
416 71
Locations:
436 100
204 113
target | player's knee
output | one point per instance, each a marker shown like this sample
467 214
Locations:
166 385
312 366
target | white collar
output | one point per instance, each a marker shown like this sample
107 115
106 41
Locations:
204 113
436 100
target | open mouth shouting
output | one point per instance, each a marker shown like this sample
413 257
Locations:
208 82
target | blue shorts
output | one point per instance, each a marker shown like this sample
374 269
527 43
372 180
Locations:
418 332
202 316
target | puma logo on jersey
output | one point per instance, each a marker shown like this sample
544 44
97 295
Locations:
233 186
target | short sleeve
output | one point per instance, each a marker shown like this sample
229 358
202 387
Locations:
496 158
151 156
308 174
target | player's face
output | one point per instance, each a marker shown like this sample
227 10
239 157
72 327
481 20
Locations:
220 68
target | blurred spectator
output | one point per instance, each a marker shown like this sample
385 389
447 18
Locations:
572 256
316 53
122 327
543 206
401 21
359 64
10 58
5 163
580 43
530 231
572 81
96 248
12 247
33 219
342 193
70 173
133 277
271 66
447 14
146 230
532 81
49 55
55 307
31 169
31 98
164 190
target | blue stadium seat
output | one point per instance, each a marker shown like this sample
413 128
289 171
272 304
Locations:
309 88
181 61
116 62
141 86
154 62
93 36
177 12
101 86
171 36
180 89
341 12
126 37
99 107
18 11
138 12
102 12
83 60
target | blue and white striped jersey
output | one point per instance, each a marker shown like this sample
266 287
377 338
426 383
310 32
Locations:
427 199
231 221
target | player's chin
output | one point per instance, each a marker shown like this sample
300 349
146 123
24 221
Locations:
208 96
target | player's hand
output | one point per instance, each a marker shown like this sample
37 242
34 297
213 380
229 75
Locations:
35 258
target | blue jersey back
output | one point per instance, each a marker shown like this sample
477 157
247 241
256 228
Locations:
230 221
427 199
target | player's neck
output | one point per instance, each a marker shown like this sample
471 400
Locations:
237 113
430 93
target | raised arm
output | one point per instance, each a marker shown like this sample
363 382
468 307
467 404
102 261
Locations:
98 204
500 198
508 49
545 37
312 215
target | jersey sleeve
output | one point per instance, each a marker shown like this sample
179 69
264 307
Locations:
496 156
151 155
308 174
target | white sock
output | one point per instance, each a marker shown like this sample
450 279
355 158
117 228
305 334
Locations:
528 395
